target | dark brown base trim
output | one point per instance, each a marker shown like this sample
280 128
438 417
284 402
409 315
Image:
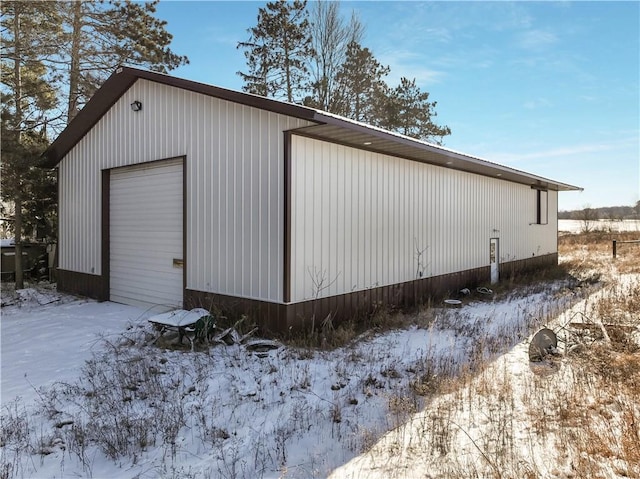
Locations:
282 318
271 317
529 264
83 284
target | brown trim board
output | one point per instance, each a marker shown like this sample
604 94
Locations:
185 264
106 235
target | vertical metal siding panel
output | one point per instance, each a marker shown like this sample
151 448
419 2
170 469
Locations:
204 211
300 228
384 231
226 189
437 221
366 233
433 219
312 218
348 225
252 192
340 219
297 227
213 158
321 177
467 243
332 192
404 254
262 218
442 201
448 222
328 216
233 267
395 220
376 240
456 196
262 214
241 255
355 220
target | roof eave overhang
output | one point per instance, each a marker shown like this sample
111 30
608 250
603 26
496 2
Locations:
360 136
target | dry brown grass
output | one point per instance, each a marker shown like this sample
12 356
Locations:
582 415
600 417
595 251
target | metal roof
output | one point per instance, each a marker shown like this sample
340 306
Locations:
328 127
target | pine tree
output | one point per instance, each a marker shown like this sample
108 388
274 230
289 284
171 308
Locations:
408 110
102 35
360 84
62 49
278 50
30 31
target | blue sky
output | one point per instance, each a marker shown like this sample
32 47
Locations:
551 88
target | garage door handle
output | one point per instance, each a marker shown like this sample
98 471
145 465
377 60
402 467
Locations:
178 263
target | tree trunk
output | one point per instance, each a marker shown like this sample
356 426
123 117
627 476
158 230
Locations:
18 99
18 241
74 71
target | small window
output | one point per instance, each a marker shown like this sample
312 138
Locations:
542 201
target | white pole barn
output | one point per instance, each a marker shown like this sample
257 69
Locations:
174 193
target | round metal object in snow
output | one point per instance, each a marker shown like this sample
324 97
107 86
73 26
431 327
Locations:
543 343
453 302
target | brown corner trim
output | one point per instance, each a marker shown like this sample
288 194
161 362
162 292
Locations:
185 263
106 234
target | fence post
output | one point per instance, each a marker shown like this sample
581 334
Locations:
614 248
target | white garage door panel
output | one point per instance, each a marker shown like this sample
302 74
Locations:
146 234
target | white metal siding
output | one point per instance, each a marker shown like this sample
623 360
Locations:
146 234
362 220
234 176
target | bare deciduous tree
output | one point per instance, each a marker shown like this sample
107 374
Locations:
330 36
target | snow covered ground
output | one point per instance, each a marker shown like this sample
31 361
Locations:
87 393
576 226
49 342
506 411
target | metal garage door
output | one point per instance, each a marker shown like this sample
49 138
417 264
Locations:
145 209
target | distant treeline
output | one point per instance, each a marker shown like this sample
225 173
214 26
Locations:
604 213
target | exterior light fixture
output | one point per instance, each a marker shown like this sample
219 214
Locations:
136 105
367 143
